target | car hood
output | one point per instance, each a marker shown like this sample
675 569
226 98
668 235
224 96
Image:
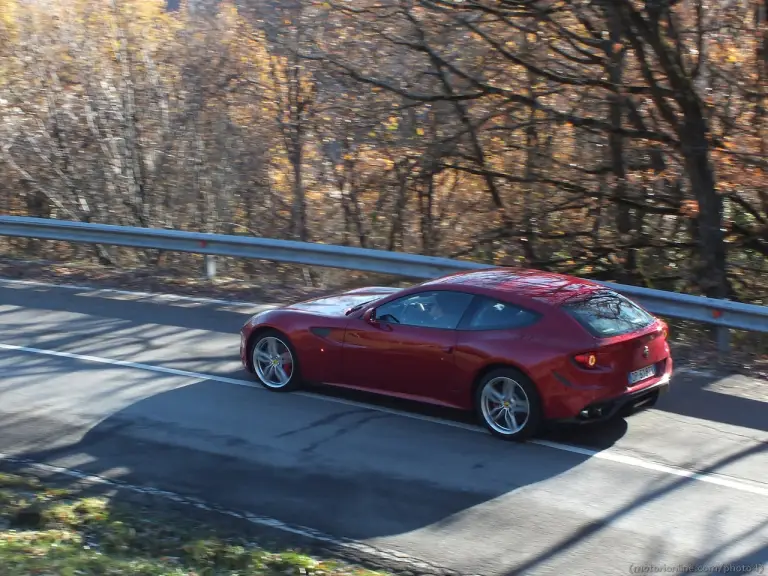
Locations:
339 304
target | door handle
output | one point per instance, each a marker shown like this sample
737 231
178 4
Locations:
447 349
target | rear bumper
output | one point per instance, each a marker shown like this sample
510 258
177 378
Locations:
606 408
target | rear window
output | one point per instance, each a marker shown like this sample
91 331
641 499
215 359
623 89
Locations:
606 314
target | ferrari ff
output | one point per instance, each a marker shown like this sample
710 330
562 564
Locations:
520 348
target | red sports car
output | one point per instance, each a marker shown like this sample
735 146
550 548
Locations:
519 347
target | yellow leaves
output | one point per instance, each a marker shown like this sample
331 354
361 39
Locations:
242 115
8 15
420 131
732 53
228 10
145 9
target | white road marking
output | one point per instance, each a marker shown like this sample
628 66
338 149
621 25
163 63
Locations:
611 455
344 543
126 364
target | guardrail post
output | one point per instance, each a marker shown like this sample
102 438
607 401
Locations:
723 337
210 266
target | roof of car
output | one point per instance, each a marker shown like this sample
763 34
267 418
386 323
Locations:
548 287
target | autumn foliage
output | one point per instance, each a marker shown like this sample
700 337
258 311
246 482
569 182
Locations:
614 139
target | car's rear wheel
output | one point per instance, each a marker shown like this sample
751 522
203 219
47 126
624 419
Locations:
509 404
274 361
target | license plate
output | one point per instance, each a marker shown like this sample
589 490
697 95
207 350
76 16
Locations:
642 374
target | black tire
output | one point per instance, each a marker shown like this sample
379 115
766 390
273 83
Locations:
295 380
534 423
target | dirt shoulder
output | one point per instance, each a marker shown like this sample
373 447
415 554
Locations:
274 284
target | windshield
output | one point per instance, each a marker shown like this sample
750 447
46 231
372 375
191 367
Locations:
607 313
358 306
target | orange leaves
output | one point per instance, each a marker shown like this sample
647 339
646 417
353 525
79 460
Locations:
689 209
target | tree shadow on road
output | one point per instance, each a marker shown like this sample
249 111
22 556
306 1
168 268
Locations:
734 400
123 329
344 469
349 473
139 310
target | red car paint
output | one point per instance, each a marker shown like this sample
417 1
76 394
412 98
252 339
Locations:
440 366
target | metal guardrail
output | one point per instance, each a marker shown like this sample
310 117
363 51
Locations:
724 314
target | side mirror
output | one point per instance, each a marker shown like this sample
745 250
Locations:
370 316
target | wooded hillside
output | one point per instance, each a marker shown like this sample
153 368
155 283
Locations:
607 138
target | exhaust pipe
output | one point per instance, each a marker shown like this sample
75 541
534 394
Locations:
589 413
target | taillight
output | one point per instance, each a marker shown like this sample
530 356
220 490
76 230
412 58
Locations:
588 360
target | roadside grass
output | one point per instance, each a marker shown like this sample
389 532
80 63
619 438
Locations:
51 531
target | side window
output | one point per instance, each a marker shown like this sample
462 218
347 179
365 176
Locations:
492 314
436 309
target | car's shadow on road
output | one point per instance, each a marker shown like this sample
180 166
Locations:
598 435
347 470
732 399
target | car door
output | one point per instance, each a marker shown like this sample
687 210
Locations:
406 348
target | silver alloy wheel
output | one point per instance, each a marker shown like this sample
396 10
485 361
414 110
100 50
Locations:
273 362
505 405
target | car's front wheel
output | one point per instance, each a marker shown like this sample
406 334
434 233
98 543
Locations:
509 404
274 361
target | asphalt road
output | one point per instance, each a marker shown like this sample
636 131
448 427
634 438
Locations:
151 392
